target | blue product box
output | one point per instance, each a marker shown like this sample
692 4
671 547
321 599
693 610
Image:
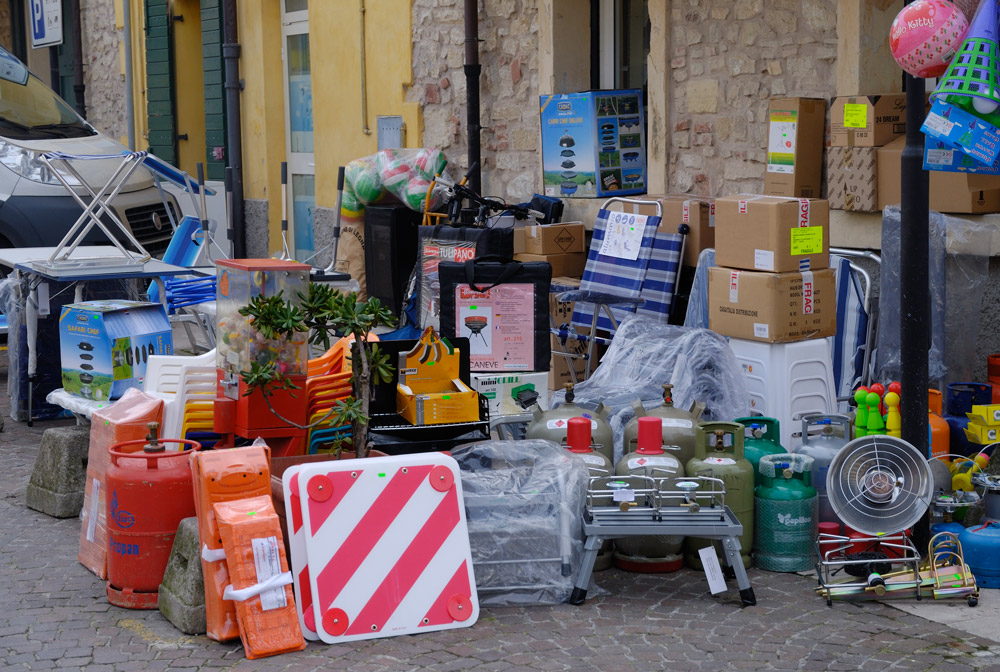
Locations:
954 126
942 157
593 144
104 345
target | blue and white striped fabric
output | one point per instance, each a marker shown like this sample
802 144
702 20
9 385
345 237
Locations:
661 276
612 275
851 341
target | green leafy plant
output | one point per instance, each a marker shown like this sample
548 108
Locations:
325 313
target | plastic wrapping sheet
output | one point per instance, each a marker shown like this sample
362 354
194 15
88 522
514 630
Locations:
697 308
958 270
10 305
644 355
524 503
124 420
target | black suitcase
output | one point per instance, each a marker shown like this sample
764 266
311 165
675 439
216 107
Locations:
481 276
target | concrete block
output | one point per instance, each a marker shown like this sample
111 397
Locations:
58 479
182 593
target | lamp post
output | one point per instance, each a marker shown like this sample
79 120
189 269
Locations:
914 322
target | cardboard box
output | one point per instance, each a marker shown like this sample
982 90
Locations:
512 393
951 192
770 233
981 434
985 414
593 144
562 238
795 135
519 240
772 307
562 264
939 156
429 391
867 121
852 178
677 209
962 130
104 345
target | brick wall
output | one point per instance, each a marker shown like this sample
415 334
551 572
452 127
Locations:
508 89
727 59
102 71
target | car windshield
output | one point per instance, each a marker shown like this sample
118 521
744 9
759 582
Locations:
30 110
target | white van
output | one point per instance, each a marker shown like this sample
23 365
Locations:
35 209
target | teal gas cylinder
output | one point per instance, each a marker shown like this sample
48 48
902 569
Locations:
761 437
786 514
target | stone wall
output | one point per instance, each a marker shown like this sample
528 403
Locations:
727 59
102 69
508 89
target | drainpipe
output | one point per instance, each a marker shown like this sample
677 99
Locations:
473 70
78 86
234 130
129 103
915 335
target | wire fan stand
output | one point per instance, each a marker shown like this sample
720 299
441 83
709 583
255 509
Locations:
879 486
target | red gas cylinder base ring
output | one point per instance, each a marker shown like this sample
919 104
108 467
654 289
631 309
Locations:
648 565
129 599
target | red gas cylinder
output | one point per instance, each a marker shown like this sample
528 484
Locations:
149 492
872 545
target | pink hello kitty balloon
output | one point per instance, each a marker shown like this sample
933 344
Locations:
925 36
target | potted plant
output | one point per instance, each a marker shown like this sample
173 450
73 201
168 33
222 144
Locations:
323 313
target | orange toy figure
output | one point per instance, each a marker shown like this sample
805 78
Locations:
222 476
261 583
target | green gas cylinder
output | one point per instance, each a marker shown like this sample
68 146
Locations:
654 553
761 437
787 516
718 452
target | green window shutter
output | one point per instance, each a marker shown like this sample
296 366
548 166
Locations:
161 106
216 152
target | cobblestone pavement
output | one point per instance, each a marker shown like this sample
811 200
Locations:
53 614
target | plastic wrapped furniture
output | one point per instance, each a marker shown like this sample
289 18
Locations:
645 355
524 506
959 266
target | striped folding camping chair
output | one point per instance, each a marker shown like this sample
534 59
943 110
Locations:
631 268
851 347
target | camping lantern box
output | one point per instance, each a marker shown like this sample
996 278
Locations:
593 144
105 345
239 345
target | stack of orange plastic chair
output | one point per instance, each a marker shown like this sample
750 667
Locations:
125 420
224 476
322 393
261 583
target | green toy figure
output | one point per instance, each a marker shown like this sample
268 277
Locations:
861 418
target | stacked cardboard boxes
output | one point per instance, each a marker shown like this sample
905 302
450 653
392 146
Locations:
859 125
772 282
563 246
561 312
984 424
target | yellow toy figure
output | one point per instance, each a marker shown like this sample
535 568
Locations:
893 421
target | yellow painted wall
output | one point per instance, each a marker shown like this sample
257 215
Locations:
262 107
189 85
334 44
137 26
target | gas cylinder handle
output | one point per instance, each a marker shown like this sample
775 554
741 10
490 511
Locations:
152 459
827 420
706 429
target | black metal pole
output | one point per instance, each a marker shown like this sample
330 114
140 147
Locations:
473 70
914 289
234 129
78 85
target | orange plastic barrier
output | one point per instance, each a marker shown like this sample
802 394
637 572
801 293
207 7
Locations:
222 476
261 582
124 420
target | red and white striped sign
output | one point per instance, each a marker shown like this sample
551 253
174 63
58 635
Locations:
297 544
387 547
